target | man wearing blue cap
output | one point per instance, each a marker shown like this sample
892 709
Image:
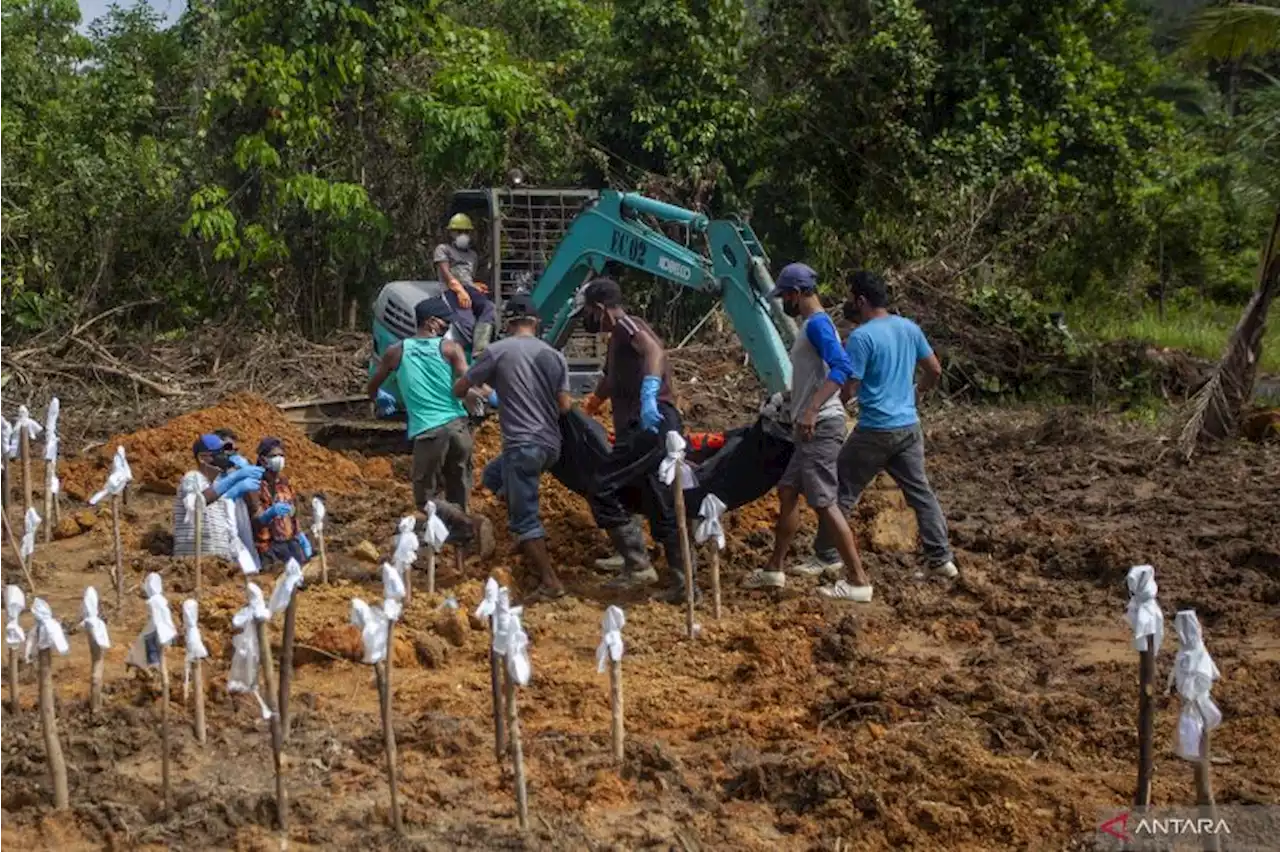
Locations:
819 369
216 477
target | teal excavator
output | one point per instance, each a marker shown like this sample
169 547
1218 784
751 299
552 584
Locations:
551 243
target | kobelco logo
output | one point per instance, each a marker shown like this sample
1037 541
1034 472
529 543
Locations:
676 270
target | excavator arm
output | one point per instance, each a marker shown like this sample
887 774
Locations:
611 229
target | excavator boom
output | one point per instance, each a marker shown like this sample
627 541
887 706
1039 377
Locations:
611 229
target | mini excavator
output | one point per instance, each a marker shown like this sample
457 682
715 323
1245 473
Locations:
551 243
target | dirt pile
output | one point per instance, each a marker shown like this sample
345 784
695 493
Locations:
160 456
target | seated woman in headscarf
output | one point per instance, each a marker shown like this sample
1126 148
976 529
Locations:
277 533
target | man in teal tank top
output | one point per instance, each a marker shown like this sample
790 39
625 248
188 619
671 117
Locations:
425 366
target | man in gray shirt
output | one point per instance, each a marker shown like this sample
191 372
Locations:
456 262
530 382
819 368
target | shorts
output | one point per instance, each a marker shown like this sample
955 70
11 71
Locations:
812 469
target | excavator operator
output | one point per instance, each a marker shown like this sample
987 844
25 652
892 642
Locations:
456 263
637 382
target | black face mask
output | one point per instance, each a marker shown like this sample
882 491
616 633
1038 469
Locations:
591 322
851 312
790 308
222 460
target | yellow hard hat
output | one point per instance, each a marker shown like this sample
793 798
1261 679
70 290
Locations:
459 222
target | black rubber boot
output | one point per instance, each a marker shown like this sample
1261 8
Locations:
637 571
675 591
480 337
475 531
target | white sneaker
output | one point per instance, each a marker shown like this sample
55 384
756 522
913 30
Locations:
765 580
813 567
843 590
947 570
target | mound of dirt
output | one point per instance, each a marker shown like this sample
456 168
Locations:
160 456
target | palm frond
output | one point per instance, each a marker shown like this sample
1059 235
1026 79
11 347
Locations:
1235 31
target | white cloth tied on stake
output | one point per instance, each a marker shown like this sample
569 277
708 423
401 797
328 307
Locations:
286 586
510 640
243 676
1144 613
47 634
248 566
1194 673
119 478
192 502
23 423
317 516
14 603
191 638
6 438
709 527
51 432
30 523
91 621
675 456
611 645
435 532
392 591
372 623
406 551
489 604
160 618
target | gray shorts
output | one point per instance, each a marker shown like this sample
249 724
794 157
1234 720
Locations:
812 469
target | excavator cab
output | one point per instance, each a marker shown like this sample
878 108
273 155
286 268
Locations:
525 225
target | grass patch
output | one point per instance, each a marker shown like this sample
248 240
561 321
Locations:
1200 329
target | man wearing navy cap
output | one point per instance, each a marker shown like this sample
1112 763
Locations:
215 477
819 369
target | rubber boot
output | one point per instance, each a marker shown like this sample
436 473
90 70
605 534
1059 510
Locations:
614 563
534 551
675 591
636 572
480 337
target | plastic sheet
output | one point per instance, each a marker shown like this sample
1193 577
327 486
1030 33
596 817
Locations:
288 583
91 621
246 656
119 478
372 623
1193 673
24 422
435 530
393 591
317 516
30 523
406 548
14 603
47 634
709 527
51 431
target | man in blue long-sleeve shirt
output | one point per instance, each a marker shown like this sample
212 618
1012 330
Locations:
819 369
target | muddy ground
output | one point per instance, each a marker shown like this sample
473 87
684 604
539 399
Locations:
994 712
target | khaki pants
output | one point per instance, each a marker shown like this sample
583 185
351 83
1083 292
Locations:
442 464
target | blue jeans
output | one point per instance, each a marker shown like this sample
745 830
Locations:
515 475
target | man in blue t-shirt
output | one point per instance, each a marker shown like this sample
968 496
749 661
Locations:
884 352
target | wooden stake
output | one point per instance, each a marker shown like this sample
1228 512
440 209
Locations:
97 664
407 575
49 725
1204 793
458 560
197 683
715 581
615 706
495 685
389 732
7 474
277 742
13 683
115 534
1146 723
199 531
24 452
324 562
17 551
682 525
286 662
164 727
431 570
517 751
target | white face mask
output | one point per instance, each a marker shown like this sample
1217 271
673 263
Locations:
275 464
462 242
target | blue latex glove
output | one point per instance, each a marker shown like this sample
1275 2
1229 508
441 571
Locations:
276 510
235 477
493 399
650 417
241 488
385 402
240 461
306 544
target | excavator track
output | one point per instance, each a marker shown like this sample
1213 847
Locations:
344 423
